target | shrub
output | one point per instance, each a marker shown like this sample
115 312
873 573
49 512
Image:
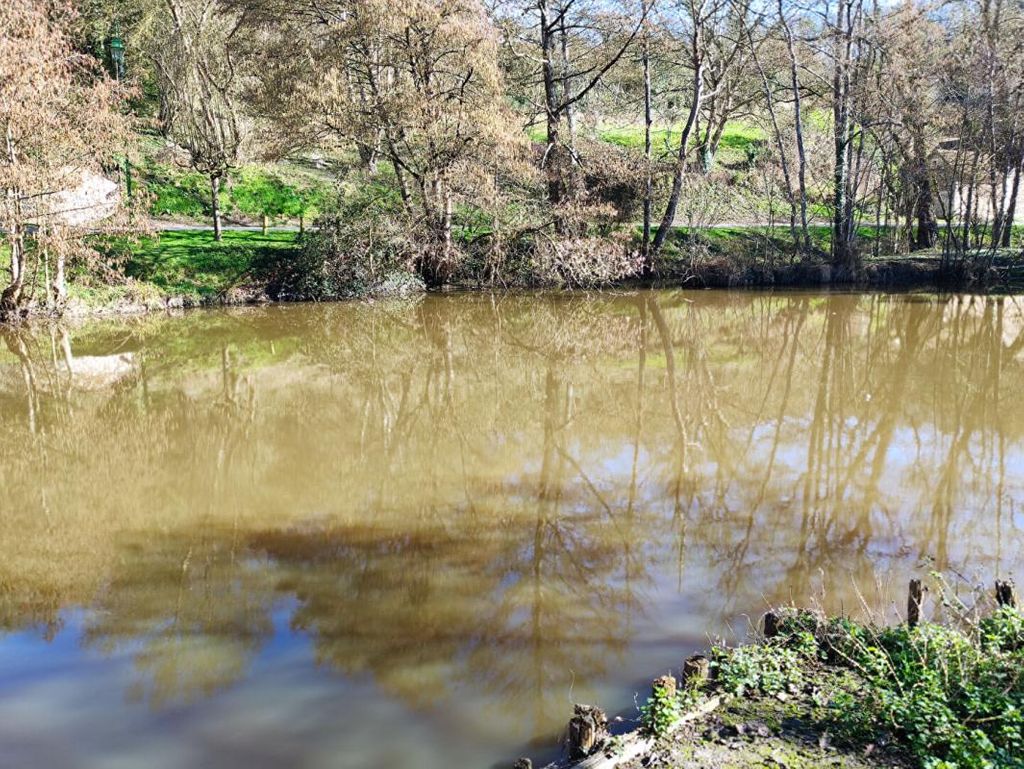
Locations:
955 700
362 248
614 180
662 708
765 669
584 262
952 697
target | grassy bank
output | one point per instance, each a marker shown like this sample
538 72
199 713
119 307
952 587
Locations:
179 269
285 191
191 263
817 691
188 268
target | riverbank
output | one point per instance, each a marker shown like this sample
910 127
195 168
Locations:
813 691
186 268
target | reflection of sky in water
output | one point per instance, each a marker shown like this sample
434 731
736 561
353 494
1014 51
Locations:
67 708
64 706
391 566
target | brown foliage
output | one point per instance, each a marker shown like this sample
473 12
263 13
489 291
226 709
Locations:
59 126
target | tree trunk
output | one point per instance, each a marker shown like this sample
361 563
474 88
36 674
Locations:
842 201
368 154
10 299
215 203
446 231
570 120
779 145
801 154
921 184
266 224
59 286
677 180
553 113
927 229
1011 208
648 266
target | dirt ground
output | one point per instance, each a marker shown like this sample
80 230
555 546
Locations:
765 733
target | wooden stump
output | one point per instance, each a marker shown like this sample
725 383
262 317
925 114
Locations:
1006 594
771 624
665 685
696 671
914 603
588 729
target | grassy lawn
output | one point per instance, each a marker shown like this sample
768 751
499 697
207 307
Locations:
736 140
192 262
281 191
737 136
748 240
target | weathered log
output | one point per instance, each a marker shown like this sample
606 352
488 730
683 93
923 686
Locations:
588 729
696 671
1006 593
771 624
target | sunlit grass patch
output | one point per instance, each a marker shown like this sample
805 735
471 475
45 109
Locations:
192 262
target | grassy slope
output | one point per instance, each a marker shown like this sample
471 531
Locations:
282 191
737 140
191 262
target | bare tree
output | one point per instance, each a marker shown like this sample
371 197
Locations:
59 126
201 81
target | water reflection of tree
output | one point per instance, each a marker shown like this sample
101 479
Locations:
478 493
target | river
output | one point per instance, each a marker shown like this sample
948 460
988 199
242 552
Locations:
413 533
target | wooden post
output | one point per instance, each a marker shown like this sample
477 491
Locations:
587 730
914 603
1006 594
771 624
696 671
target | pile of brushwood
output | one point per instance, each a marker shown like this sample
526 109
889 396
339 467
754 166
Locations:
831 691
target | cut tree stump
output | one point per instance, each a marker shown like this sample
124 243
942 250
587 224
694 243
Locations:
665 685
1006 594
588 728
696 671
914 599
636 743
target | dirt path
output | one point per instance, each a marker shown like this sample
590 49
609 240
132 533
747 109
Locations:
166 225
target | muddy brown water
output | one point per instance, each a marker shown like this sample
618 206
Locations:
411 534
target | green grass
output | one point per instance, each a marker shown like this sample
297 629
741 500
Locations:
949 697
278 191
750 241
738 139
737 136
191 262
